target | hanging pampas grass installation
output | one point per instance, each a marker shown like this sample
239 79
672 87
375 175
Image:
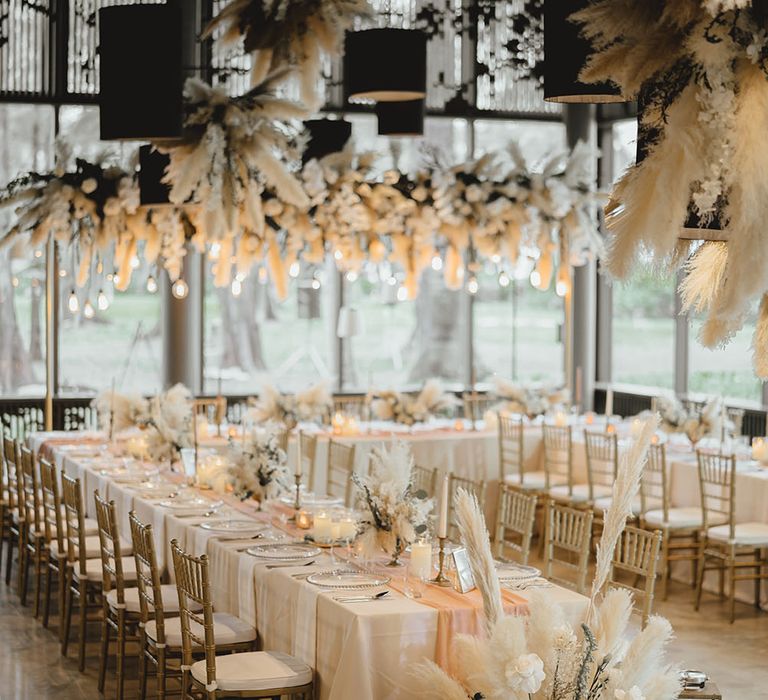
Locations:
699 69
541 656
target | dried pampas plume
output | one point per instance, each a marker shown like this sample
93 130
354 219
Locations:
474 535
760 340
705 275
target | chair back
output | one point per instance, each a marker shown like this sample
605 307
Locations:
569 532
341 464
602 460
637 555
510 447
475 404
147 575
13 477
31 491
514 522
49 491
213 408
654 484
74 516
558 456
476 488
194 588
424 479
109 546
717 483
308 444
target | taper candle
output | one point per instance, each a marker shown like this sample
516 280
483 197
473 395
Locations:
443 525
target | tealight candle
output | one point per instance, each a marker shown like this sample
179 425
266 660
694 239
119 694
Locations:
420 564
304 520
760 449
458 424
589 418
322 527
232 431
561 419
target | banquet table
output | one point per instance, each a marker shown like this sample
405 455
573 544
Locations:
360 650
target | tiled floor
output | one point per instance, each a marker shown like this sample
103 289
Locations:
735 656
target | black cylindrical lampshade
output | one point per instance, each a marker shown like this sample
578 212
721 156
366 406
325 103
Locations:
565 54
401 118
152 190
140 70
385 65
326 136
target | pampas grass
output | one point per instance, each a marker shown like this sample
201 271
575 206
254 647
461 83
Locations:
760 340
704 277
474 536
127 410
624 492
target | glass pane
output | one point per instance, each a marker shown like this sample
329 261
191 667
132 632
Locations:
27 144
727 372
79 127
536 139
252 337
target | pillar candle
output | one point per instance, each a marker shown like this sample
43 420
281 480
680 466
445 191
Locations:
420 564
322 527
609 402
443 525
298 454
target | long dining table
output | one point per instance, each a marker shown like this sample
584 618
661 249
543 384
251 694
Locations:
361 650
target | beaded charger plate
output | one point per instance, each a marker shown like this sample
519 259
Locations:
284 552
347 579
230 526
516 572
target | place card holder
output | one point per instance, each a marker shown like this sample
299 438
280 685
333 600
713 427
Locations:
465 581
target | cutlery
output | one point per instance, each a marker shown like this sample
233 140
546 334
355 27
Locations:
238 539
363 598
286 566
207 514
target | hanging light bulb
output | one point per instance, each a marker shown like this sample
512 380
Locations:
135 262
237 287
295 269
535 278
151 284
180 288
101 301
215 251
351 276
88 310
503 279
315 283
473 286
392 281
62 273
402 293
563 284
38 253
72 303
337 255
437 263
99 268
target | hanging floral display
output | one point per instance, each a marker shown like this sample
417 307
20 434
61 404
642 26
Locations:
293 33
699 69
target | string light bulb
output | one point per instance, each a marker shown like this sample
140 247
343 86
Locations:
351 276
135 262
503 279
315 283
151 284
180 288
295 269
402 293
237 287
563 284
473 286
437 263
88 310
101 301
535 278
72 303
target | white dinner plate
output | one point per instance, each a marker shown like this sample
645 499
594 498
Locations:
347 579
232 526
284 552
516 572
314 500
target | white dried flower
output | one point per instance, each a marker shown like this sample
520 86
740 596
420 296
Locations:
89 185
526 674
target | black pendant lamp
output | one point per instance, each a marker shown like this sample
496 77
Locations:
401 118
140 71
385 65
565 54
152 190
326 136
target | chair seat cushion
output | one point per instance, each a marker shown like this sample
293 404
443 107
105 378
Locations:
255 670
93 570
531 480
751 534
227 629
132 604
93 548
679 518
604 503
580 493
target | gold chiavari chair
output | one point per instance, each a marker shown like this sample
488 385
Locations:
512 456
5 512
115 569
568 536
35 550
602 451
16 531
251 674
308 453
341 465
213 408
636 555
558 467
424 479
476 488
727 546
514 523
680 527
475 404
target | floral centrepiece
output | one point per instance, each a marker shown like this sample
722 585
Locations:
541 656
395 515
699 69
528 400
695 425
169 424
407 409
311 405
259 469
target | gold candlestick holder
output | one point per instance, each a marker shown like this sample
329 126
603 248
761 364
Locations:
441 579
296 500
